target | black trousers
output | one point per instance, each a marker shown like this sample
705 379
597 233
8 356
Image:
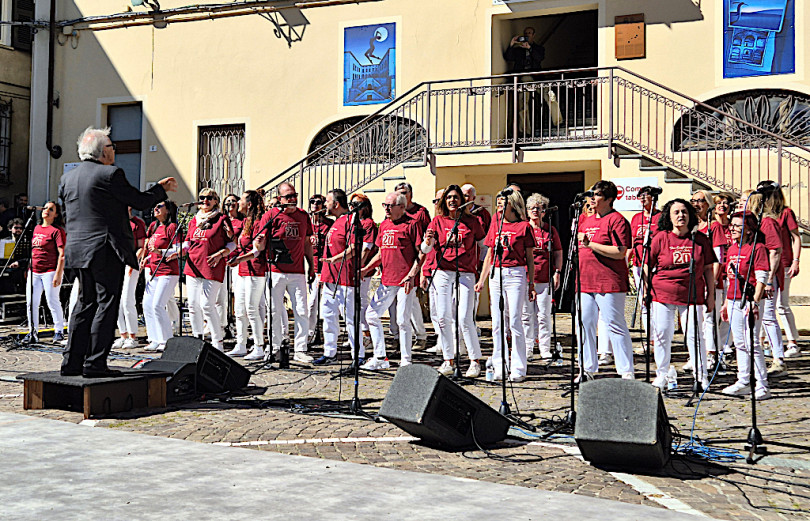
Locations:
93 321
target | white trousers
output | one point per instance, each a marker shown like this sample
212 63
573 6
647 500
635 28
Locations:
202 298
515 291
637 270
313 299
537 319
610 307
156 298
127 312
294 285
417 319
365 299
74 298
663 321
434 315
174 314
785 313
381 301
742 342
44 282
770 324
248 293
338 301
719 325
445 293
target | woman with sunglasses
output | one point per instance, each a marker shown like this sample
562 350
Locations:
771 237
721 241
320 228
516 269
460 249
741 255
249 278
208 245
160 236
682 278
703 204
47 268
537 314
604 238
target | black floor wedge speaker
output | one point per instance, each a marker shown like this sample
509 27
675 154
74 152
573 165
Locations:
216 371
433 408
622 423
181 386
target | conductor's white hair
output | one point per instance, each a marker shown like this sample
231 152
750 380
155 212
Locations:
469 187
401 199
91 143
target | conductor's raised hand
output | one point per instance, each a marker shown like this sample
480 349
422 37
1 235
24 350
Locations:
169 184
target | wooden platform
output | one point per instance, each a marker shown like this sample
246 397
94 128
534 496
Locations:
135 389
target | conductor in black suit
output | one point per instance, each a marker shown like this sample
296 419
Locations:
99 245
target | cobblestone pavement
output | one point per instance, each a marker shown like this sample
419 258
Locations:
289 411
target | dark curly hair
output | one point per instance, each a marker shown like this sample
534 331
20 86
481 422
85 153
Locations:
665 222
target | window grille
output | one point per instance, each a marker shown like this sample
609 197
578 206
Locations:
5 142
222 159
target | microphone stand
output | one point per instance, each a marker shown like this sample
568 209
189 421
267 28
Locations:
691 300
316 222
647 302
457 375
499 250
555 354
356 407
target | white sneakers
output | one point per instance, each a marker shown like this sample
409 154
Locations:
239 350
545 353
125 343
256 354
605 359
152 347
119 343
446 368
660 382
302 357
375 364
474 371
737 389
793 351
585 376
628 376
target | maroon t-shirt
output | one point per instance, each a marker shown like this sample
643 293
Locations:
420 214
160 236
203 243
740 259
771 237
516 237
399 247
542 236
237 223
295 230
138 229
670 256
787 224
469 233
639 225
340 236
721 238
256 267
45 245
319 231
483 216
600 274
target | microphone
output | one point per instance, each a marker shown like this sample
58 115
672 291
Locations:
652 190
35 208
316 212
551 209
188 205
506 192
465 205
767 187
584 195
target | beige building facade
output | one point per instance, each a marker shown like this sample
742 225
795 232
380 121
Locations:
235 101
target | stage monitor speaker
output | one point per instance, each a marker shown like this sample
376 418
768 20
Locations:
433 408
181 386
216 371
622 423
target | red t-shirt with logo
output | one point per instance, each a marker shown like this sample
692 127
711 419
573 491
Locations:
203 243
45 244
138 229
740 259
293 229
542 260
639 225
398 242
256 267
600 274
772 238
420 214
469 232
516 237
788 224
319 231
670 256
339 237
160 236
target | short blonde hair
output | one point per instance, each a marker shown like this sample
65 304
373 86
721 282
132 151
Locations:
210 191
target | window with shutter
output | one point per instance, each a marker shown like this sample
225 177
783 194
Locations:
22 36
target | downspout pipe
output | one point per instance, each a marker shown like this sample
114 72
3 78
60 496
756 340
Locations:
54 150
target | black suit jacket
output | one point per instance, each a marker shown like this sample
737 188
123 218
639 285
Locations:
96 197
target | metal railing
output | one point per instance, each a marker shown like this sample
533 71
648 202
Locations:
514 112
